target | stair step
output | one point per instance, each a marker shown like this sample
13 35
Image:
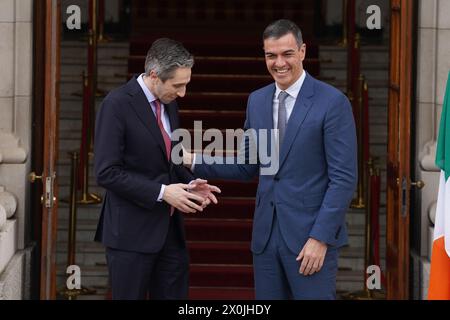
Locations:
73 87
221 275
214 100
218 229
212 119
235 188
220 252
230 208
378 77
225 65
64 190
79 49
221 293
212 46
369 54
252 79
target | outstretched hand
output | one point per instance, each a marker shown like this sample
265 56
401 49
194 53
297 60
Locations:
201 188
178 195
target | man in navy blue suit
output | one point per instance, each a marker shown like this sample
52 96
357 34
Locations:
141 224
299 220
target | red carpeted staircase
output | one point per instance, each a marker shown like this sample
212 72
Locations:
228 66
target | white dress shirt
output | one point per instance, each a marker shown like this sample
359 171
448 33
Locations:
164 115
151 98
292 92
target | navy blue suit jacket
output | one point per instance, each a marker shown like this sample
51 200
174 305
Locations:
131 164
317 174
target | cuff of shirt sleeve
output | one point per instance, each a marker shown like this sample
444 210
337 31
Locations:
161 193
194 156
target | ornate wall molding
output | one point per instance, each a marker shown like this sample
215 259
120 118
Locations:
2 217
13 155
10 151
8 201
428 156
432 213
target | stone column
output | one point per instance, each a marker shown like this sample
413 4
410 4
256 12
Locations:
8 241
433 65
15 102
15 142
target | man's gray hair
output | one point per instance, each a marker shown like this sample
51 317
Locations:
165 56
282 27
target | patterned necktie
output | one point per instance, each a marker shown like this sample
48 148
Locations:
282 117
166 137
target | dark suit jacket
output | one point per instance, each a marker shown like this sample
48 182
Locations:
317 175
131 164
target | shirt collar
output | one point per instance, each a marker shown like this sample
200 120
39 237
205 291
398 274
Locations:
294 89
150 97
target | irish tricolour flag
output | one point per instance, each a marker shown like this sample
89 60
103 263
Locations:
439 288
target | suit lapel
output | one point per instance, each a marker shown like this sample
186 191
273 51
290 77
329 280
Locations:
144 112
172 111
302 106
267 113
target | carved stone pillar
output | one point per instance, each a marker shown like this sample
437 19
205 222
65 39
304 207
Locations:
8 202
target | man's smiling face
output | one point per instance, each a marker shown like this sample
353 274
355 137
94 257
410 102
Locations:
284 59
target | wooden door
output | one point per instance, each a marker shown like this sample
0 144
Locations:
50 149
398 162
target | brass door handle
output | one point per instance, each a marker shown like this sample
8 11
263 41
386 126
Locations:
418 184
33 177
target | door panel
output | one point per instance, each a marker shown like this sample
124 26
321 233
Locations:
50 150
398 170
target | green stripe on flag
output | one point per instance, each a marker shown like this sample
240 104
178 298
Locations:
443 144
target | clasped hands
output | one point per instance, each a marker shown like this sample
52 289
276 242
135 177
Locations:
192 197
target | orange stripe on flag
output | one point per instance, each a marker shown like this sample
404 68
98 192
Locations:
439 288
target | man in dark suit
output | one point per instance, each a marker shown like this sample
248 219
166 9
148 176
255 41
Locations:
141 224
304 193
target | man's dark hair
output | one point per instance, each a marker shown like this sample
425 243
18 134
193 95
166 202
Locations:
282 27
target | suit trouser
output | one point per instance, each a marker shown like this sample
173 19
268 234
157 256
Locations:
277 274
162 275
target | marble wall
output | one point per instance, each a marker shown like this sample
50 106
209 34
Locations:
16 49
